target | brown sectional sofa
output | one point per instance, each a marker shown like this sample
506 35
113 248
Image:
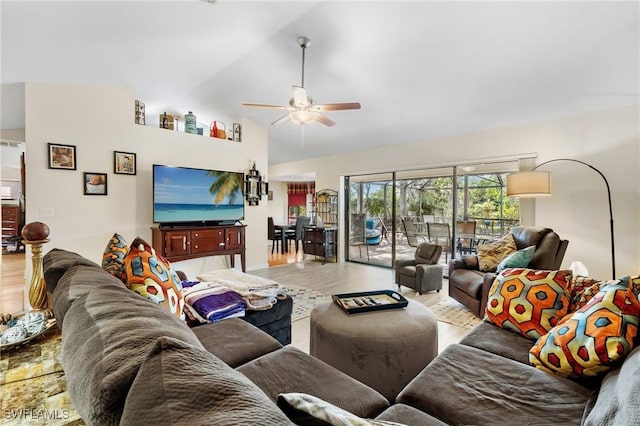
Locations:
127 361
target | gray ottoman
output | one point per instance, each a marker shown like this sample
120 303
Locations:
383 349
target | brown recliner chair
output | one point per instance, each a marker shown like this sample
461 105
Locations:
469 286
423 272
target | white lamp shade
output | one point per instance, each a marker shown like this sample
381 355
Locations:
529 184
302 116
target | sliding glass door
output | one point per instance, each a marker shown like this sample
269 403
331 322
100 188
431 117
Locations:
369 218
457 207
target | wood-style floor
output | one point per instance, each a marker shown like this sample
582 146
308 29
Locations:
12 283
288 269
332 278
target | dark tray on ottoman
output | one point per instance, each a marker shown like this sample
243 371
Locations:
367 301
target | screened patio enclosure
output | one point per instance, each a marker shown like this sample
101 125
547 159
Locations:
388 214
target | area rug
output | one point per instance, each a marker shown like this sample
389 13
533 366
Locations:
304 300
452 312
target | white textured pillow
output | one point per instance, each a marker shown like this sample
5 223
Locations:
301 406
491 254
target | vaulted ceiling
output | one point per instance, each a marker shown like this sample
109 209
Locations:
420 69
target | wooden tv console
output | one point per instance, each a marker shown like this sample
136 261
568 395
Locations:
190 242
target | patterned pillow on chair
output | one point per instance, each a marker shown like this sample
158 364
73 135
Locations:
595 337
113 257
527 301
153 278
491 254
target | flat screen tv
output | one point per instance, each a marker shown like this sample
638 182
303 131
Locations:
187 196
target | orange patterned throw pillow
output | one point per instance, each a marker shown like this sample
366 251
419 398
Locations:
594 338
582 289
153 278
527 301
113 257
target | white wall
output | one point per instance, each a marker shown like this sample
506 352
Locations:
278 206
609 140
99 120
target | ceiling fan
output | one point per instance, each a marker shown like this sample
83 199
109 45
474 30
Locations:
301 108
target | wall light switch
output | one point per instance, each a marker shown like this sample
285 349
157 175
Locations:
46 211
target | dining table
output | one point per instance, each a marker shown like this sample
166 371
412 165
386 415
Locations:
473 240
283 237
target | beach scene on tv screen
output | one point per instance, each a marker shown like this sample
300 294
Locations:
190 195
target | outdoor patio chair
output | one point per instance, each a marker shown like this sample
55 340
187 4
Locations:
413 237
466 234
358 233
440 233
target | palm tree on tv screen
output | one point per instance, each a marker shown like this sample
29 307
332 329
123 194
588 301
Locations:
225 185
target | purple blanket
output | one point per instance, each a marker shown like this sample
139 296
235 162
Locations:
212 302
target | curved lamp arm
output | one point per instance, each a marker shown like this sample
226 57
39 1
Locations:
613 252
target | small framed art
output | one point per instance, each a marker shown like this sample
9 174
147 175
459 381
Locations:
95 183
62 156
124 163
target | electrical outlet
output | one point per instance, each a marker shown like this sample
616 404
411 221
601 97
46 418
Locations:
46 211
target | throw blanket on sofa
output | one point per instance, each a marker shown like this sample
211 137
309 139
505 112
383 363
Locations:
212 302
258 293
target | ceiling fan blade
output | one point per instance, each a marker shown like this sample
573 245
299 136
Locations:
280 120
323 119
300 97
338 106
247 104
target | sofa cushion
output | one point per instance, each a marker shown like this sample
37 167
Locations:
153 278
70 276
519 259
291 370
56 263
491 338
594 338
491 254
104 344
617 402
468 386
408 415
113 257
527 301
203 390
235 341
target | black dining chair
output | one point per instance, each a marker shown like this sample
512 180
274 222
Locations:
297 233
274 235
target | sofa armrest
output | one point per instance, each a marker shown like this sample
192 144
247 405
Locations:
467 261
489 277
406 262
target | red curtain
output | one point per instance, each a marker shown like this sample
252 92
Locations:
301 188
297 199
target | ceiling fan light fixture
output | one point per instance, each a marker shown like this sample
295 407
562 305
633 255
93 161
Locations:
302 116
301 108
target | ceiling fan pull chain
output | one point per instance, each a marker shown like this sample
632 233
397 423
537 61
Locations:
303 49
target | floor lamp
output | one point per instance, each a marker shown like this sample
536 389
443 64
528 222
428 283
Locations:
537 184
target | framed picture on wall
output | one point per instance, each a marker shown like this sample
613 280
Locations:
95 183
62 156
124 163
